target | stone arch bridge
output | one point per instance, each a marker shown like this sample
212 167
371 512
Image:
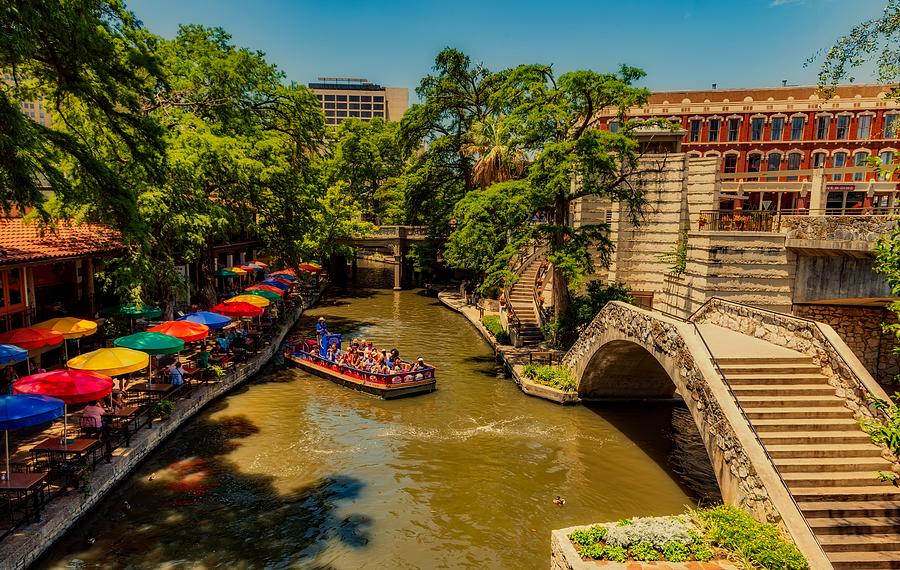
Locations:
772 396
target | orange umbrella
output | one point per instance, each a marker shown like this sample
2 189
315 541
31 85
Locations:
268 288
184 330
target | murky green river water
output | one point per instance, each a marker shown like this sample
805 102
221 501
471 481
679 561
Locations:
293 471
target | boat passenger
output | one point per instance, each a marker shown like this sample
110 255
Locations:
419 365
321 328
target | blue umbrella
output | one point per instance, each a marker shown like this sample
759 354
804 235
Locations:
25 410
212 320
278 284
10 354
287 276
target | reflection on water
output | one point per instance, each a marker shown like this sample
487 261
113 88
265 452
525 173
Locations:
293 471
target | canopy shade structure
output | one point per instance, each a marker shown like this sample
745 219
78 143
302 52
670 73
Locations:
260 263
239 309
310 268
237 270
267 295
31 337
277 284
184 330
11 354
25 410
225 273
69 327
251 299
211 320
269 288
285 276
70 386
287 271
151 343
139 311
111 361
282 280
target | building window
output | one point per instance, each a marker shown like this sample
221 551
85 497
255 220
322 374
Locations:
822 124
341 97
773 164
859 159
329 105
713 130
613 125
731 163
777 128
797 128
864 127
842 130
365 98
695 130
887 157
378 99
329 97
793 163
754 161
354 106
354 98
890 126
840 161
734 125
756 128
818 159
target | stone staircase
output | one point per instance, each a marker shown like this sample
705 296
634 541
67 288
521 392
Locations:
827 462
521 298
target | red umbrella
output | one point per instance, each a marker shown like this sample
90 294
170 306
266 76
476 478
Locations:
268 288
237 309
70 386
184 330
31 337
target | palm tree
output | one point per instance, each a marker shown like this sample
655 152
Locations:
497 158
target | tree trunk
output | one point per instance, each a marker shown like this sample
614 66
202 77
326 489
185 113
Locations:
561 295
206 290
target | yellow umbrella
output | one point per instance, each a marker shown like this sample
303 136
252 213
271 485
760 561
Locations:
254 300
111 361
69 327
237 270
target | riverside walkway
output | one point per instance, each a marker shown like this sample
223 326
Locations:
27 543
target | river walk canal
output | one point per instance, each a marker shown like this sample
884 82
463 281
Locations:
292 471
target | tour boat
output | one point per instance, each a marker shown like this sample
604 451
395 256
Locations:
313 359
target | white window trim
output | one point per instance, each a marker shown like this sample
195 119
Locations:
861 149
758 116
713 117
712 153
869 113
738 117
730 152
888 149
824 114
775 151
837 150
756 151
695 154
824 151
795 115
777 116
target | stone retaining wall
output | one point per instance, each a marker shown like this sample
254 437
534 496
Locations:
836 228
28 543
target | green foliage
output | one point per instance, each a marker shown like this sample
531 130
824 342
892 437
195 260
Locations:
585 537
581 311
163 409
701 552
616 553
678 255
558 377
676 552
593 550
734 529
644 552
217 372
495 327
887 262
656 532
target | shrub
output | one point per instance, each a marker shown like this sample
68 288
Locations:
495 327
762 544
588 536
676 552
655 531
558 377
644 552
701 552
616 553
581 311
596 551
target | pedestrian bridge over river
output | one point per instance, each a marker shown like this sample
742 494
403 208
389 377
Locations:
775 399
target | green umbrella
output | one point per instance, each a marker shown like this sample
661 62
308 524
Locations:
139 311
273 297
151 343
225 273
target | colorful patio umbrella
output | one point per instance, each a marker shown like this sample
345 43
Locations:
237 270
31 337
111 361
151 343
267 295
26 410
238 309
310 268
70 386
281 280
251 299
211 320
69 327
225 273
260 263
285 276
185 330
139 311
287 271
277 284
11 354
264 287
315 263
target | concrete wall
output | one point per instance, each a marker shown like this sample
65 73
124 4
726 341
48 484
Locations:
828 277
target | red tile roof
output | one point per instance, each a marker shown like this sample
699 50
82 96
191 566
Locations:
24 243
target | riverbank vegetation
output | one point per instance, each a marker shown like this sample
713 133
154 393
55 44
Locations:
495 327
721 532
559 377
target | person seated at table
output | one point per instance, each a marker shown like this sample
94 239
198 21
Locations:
8 376
118 400
92 418
176 373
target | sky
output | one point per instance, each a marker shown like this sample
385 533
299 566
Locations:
681 44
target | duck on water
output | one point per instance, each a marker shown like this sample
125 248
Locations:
362 366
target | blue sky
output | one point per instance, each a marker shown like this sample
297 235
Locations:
685 44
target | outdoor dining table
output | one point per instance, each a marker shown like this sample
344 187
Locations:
25 490
124 421
155 391
66 454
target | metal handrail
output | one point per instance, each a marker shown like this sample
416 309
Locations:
543 313
771 221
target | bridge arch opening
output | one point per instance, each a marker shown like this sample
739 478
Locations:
626 370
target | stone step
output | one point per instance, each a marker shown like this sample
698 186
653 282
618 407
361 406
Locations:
810 437
855 525
749 402
859 542
875 492
789 368
823 451
784 390
791 412
763 361
764 379
807 424
840 509
864 560
831 479
819 464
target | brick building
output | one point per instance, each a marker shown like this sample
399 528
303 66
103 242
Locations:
343 98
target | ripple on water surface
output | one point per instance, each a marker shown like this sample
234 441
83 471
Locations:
293 471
